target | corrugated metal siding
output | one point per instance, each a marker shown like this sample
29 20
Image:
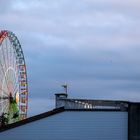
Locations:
74 125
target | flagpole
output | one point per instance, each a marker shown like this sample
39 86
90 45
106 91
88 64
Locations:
65 86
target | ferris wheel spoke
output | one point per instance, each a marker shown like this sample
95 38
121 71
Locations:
3 101
12 58
8 50
6 82
2 55
3 73
16 88
13 79
9 58
2 69
5 106
4 93
5 58
15 63
11 55
16 82
7 54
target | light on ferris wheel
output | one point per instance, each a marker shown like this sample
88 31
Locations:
17 98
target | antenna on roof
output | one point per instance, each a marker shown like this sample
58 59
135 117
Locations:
65 86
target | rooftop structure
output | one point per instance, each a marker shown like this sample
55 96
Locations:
67 103
79 119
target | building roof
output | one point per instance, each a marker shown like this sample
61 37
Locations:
32 119
74 105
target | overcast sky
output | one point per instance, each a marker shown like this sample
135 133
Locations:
93 45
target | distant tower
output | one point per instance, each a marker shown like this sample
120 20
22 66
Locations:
59 97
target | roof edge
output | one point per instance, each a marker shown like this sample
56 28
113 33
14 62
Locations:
98 110
32 119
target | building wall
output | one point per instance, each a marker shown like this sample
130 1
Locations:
134 121
73 125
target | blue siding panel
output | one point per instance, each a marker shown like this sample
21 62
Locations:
76 125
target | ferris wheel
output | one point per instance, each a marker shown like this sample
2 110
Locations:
13 79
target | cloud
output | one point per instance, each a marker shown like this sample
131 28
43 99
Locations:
91 23
93 45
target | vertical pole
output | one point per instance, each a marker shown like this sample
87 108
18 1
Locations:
65 86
